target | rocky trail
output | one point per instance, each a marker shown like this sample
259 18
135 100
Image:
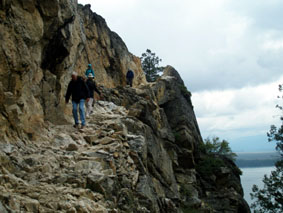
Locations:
72 170
138 153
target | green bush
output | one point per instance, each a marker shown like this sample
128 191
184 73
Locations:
216 151
215 146
209 165
190 210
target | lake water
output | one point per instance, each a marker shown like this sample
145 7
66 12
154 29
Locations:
253 176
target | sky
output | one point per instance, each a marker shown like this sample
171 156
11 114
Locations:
228 52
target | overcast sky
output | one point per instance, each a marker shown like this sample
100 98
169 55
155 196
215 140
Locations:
229 53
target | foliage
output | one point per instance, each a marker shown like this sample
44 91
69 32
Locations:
212 162
276 134
207 166
184 90
215 146
150 65
177 135
190 210
218 154
270 198
186 93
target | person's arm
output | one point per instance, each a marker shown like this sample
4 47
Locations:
95 88
86 73
86 90
69 92
92 72
90 87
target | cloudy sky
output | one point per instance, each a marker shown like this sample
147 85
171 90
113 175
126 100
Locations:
229 53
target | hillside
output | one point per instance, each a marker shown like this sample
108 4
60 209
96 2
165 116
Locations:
261 159
140 150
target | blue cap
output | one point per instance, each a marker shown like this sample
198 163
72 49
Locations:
89 65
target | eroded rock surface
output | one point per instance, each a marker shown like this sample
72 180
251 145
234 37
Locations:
103 168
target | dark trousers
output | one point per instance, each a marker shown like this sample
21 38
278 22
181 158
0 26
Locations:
130 81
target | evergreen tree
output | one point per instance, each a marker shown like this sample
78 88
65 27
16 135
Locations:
270 198
150 65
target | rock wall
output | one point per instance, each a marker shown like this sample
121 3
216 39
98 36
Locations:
141 151
42 43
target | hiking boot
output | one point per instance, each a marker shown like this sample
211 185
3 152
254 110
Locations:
76 126
82 126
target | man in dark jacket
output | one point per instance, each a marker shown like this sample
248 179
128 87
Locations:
79 91
130 77
92 87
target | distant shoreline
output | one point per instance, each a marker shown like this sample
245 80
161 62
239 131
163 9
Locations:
257 152
256 159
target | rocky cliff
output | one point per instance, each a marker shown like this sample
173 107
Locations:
42 42
141 149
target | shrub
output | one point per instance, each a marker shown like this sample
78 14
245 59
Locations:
209 165
215 146
216 151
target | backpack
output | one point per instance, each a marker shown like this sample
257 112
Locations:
130 74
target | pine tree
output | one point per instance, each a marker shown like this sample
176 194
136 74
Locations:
150 65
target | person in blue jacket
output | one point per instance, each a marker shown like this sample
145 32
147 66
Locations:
89 70
129 77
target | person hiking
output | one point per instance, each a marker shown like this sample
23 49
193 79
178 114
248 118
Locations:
89 70
130 77
79 91
92 87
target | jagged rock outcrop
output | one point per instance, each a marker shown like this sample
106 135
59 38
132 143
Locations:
141 149
166 108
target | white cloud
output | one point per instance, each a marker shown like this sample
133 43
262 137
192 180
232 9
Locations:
273 45
237 113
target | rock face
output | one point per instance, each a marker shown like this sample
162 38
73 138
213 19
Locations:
172 142
141 149
42 43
